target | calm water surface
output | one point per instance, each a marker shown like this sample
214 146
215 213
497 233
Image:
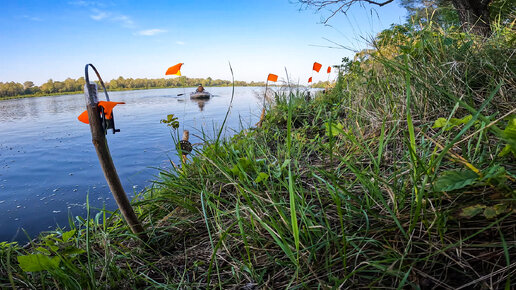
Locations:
48 164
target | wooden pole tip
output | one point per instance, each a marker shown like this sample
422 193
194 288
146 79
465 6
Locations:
186 135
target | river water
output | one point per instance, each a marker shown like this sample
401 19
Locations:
48 164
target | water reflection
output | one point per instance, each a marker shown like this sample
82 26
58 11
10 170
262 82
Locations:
200 103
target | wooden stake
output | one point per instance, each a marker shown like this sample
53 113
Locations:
186 136
98 138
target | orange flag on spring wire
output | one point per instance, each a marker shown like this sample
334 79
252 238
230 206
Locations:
272 78
108 110
174 70
310 80
317 66
329 69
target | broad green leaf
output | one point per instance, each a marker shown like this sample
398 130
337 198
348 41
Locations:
67 235
448 125
494 172
244 163
471 211
72 251
43 250
439 123
262 176
37 262
509 135
490 212
456 122
235 170
510 131
500 208
5 245
506 150
495 210
455 179
336 129
171 121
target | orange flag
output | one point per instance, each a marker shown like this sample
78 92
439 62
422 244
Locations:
108 110
174 70
317 66
272 78
83 117
329 69
310 80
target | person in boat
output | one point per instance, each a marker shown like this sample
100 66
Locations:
200 89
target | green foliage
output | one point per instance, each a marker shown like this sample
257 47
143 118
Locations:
472 211
450 124
53 250
489 212
7 245
171 121
262 177
455 179
509 136
38 262
335 129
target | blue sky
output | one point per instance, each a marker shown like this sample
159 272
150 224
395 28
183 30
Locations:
40 40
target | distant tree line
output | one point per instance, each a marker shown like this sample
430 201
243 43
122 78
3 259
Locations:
13 89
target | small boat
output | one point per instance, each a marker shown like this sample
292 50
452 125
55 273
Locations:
200 95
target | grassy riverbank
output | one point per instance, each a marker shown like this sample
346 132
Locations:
39 95
402 176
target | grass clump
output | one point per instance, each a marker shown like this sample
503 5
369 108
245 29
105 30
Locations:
401 176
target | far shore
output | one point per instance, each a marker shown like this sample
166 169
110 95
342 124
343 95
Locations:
80 92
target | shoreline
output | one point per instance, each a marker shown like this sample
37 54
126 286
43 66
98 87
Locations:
118 90
100 90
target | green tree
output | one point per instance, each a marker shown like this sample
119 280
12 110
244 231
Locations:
48 87
28 87
69 85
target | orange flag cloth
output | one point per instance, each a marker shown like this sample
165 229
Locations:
272 78
108 110
310 80
174 70
329 69
317 66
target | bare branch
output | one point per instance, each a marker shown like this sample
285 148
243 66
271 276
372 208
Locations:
341 5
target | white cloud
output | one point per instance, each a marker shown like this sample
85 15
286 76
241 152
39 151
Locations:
151 32
124 20
99 15
180 42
